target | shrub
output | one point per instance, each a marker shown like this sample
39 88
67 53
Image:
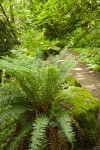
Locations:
27 116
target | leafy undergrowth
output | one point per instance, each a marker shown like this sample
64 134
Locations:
91 56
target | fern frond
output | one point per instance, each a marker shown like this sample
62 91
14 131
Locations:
66 129
9 112
41 81
5 133
38 134
11 93
23 74
28 77
15 143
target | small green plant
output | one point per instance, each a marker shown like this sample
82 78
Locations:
91 56
28 118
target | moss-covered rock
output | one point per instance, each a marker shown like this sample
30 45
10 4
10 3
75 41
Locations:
70 81
83 108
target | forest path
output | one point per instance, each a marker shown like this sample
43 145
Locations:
90 80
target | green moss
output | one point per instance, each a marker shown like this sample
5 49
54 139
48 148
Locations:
84 108
71 81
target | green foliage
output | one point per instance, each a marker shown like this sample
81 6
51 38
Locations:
72 23
6 39
82 37
52 19
91 56
34 84
65 19
31 92
38 134
66 129
34 42
15 142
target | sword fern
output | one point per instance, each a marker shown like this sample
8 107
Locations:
26 104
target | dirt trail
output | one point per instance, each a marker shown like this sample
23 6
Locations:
90 80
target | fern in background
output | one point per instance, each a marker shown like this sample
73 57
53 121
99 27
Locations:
26 112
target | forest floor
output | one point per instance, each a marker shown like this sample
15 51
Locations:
90 80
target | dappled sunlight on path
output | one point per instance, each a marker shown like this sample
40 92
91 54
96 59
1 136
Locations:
88 78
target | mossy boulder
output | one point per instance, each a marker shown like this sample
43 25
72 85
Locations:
83 108
70 81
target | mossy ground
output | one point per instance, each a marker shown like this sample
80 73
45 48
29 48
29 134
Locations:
83 108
